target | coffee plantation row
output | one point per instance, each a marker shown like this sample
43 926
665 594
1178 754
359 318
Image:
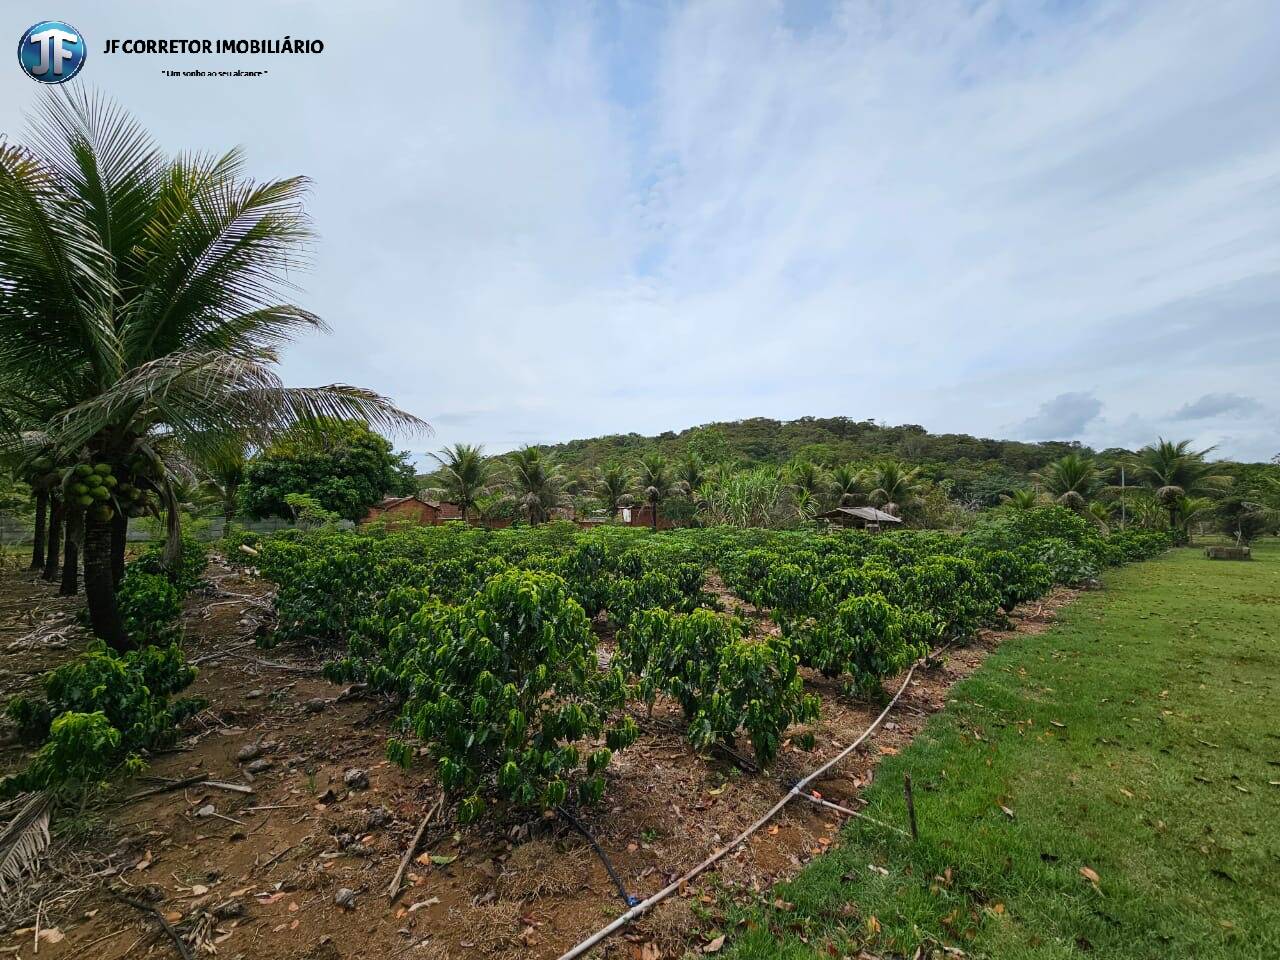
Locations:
490 640
103 712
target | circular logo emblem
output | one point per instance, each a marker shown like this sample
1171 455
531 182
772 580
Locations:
52 51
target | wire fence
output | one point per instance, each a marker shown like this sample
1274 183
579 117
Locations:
14 531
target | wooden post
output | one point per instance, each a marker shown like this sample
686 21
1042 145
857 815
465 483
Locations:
911 805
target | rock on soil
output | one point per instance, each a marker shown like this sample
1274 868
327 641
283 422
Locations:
356 779
345 897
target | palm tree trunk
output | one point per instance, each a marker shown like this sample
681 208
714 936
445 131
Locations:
38 538
53 548
119 538
99 587
173 529
71 551
229 505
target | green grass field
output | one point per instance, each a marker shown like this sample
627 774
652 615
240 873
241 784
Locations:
1136 742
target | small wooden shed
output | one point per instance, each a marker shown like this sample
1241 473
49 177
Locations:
864 518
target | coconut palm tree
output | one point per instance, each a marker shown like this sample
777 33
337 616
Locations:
1022 499
536 483
1173 471
848 486
464 475
656 483
223 471
691 473
1071 481
806 505
1100 513
806 476
1184 511
894 487
148 295
612 484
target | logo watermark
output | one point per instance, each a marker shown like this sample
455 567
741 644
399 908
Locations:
52 51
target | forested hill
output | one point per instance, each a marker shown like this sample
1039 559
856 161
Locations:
979 468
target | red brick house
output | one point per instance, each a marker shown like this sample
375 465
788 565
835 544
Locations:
415 510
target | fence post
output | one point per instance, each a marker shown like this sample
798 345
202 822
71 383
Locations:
911 804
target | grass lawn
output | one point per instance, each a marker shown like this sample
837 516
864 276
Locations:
1110 788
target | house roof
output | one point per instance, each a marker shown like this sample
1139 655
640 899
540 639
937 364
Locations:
869 514
386 503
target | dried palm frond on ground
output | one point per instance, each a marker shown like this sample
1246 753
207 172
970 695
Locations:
25 837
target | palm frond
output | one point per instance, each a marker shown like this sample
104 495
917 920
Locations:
24 839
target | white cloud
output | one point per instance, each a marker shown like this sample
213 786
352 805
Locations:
1218 405
1065 417
537 225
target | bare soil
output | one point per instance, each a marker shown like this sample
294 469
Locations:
257 876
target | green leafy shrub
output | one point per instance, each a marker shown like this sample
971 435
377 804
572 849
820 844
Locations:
867 638
149 606
1068 564
236 537
1008 529
1135 545
723 680
131 690
953 590
119 704
745 573
1017 576
322 593
790 592
80 752
187 569
503 688
870 577
628 597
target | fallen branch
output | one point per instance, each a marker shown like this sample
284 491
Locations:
220 653
393 891
222 785
295 668
150 908
848 811
164 788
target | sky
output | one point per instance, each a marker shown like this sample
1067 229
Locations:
544 221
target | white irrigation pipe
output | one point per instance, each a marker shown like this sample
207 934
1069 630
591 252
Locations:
798 790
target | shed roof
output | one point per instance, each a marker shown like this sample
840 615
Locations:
386 503
869 514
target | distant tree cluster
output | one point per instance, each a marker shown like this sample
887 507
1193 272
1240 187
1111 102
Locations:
1164 486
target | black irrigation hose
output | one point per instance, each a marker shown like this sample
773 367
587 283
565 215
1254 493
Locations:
577 824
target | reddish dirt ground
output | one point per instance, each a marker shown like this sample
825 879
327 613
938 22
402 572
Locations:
255 875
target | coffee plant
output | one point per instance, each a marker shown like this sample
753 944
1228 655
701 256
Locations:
1017 577
149 606
724 680
119 705
504 689
867 638
186 570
